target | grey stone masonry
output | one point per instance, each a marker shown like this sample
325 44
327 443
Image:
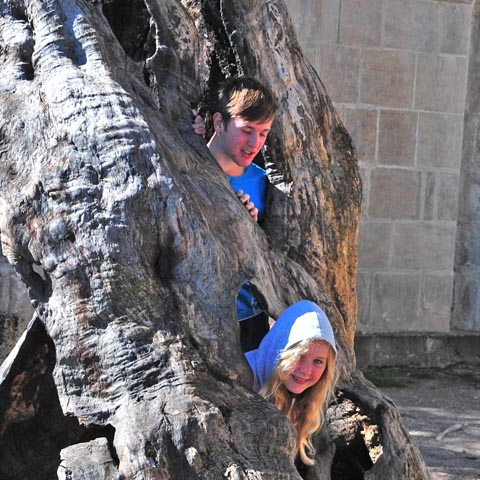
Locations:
362 125
360 12
440 83
331 59
394 194
414 350
397 137
404 77
410 25
387 78
446 150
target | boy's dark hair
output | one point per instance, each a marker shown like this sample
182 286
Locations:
247 98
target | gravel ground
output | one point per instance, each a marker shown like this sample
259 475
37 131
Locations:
441 410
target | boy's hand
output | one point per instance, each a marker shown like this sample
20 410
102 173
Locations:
245 199
198 124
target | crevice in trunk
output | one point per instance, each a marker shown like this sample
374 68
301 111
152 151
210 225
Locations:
130 22
355 430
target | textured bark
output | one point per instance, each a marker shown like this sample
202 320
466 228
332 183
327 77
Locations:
133 246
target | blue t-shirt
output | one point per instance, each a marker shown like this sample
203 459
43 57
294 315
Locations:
254 182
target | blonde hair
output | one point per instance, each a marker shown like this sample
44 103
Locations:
306 411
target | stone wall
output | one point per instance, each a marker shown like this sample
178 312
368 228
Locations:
396 71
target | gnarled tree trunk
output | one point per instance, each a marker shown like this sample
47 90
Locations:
133 246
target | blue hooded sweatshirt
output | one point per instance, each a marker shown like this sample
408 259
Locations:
303 320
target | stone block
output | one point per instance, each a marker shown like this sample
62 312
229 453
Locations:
397 138
440 83
363 295
361 23
439 140
447 196
420 245
361 123
441 196
410 25
365 177
395 302
315 21
387 78
394 194
429 203
454 29
390 349
374 244
339 69
436 302
416 349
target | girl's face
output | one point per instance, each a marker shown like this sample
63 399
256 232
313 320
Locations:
309 368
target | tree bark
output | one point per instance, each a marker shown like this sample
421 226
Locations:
133 246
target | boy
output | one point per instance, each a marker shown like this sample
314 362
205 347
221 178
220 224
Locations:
243 116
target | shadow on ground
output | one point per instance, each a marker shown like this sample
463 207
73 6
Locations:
441 410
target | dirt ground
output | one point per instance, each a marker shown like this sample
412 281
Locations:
441 410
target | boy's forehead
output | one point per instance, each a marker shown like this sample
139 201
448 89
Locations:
258 124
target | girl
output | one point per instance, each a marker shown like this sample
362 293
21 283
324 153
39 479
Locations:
294 368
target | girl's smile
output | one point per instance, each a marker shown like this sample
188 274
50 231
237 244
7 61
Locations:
309 368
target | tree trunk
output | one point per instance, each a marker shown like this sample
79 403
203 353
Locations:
133 247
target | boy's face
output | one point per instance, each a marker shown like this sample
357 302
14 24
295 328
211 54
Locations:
241 140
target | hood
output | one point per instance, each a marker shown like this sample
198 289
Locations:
301 321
